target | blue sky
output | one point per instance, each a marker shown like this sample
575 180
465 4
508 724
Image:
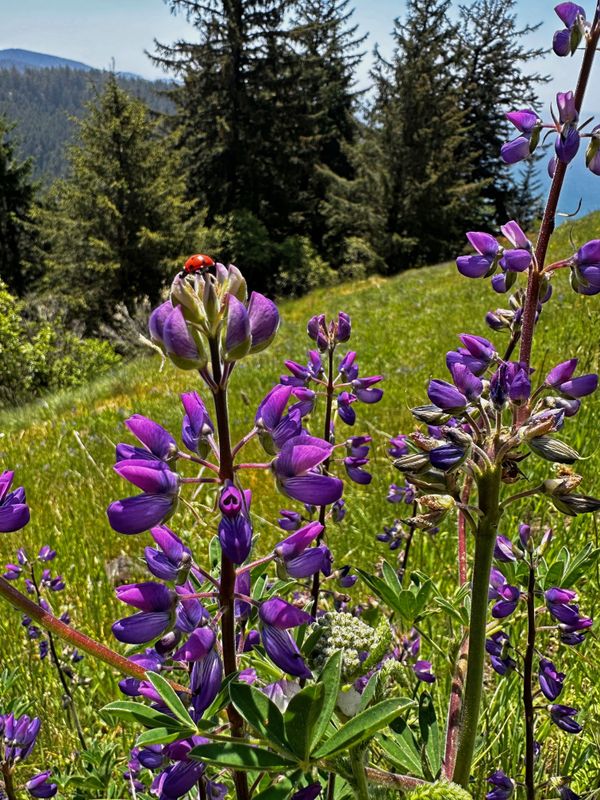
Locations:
95 31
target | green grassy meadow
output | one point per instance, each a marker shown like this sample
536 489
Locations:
62 450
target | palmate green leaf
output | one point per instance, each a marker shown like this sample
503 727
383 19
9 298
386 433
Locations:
260 712
301 718
577 567
362 726
381 589
401 748
138 712
170 698
390 576
430 734
240 756
369 692
330 678
158 736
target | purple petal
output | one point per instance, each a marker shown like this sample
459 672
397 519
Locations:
148 596
139 513
283 651
313 489
279 614
142 627
198 645
264 321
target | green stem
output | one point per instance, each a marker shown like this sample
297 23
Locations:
9 786
361 785
489 496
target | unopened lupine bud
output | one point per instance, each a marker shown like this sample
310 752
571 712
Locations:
592 154
184 294
553 450
237 335
264 321
184 348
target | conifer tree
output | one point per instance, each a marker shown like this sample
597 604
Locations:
17 230
423 138
496 76
118 226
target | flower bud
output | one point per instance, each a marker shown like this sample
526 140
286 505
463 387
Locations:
184 348
236 337
553 450
264 321
430 414
184 295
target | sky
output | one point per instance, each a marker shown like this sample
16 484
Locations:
96 31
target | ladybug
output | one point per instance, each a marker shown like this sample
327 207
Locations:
198 263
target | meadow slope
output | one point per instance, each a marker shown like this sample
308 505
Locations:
62 450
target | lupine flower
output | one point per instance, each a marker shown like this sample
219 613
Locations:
309 792
205 681
264 321
277 617
14 511
20 734
156 321
235 528
157 503
198 645
40 785
153 436
156 602
566 41
446 396
312 560
344 407
318 332
296 475
476 355
197 425
179 778
150 660
422 670
398 446
447 457
497 646
503 786
551 681
172 560
363 389
509 382
564 718
401 494
529 125
297 543
507 597
355 472
345 579
487 249
289 520
503 549
592 155
568 140
358 446
585 275
348 368
275 427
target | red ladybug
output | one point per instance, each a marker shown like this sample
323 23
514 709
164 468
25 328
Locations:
198 263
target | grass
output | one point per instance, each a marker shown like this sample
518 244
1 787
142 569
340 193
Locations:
62 450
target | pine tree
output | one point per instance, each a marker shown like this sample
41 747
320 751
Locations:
329 48
423 138
17 230
494 59
118 226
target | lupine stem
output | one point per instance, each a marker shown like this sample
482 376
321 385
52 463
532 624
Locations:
358 770
455 708
50 623
527 688
9 787
228 574
489 494
547 226
407 544
322 510
70 706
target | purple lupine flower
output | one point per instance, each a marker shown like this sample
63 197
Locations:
275 427
177 780
317 331
398 446
277 617
172 560
592 154
264 321
310 792
355 472
529 125
345 579
348 368
362 389
567 143
477 354
237 337
503 786
197 425
198 645
447 457
503 549
358 446
551 681
296 473
13 572
487 249
157 503
312 560
506 596
446 396
585 276
46 553
296 544
183 348
289 520
235 527
20 734
148 596
150 660
189 613
564 718
401 494
422 670
41 786
466 382
497 646
14 511
343 328
510 382
344 407
338 511
143 627
566 41
242 586
157 319
153 436
205 681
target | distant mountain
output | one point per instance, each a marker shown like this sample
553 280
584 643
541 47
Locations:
43 101
27 59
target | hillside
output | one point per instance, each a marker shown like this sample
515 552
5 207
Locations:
27 59
43 101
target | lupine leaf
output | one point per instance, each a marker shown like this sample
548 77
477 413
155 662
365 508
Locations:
430 733
330 678
401 748
240 756
170 697
260 712
158 736
362 726
138 712
301 718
